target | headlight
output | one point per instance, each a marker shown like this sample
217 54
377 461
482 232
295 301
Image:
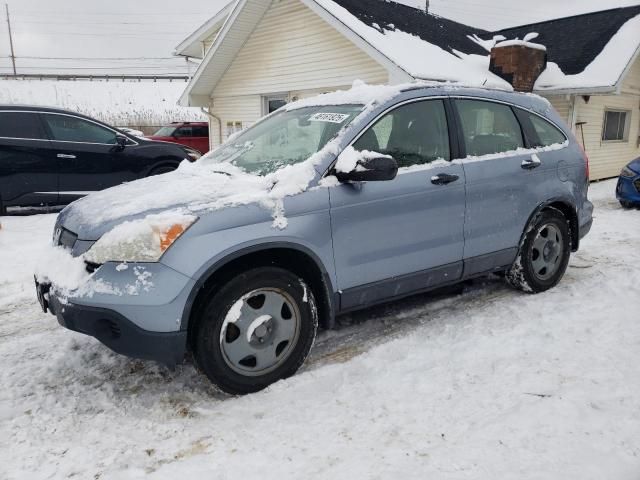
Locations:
627 172
143 240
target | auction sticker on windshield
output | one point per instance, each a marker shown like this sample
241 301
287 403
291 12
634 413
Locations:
329 117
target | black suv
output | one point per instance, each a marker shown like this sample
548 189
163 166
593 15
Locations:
53 157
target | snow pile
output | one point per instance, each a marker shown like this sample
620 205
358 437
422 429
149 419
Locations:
511 153
478 385
606 68
142 240
419 58
525 42
128 104
360 93
349 160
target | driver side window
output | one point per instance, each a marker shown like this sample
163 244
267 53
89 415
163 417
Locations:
66 128
413 134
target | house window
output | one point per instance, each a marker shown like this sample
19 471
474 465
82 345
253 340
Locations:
273 102
233 128
616 125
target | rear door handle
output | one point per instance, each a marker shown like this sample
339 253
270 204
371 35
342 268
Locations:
444 179
65 155
531 163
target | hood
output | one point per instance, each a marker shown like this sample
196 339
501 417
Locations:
194 188
635 165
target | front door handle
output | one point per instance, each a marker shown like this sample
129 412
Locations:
531 163
444 179
65 155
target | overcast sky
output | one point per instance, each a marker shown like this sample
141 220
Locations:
95 33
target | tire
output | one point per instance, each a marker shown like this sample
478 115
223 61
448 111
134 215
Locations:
255 330
626 205
3 209
544 253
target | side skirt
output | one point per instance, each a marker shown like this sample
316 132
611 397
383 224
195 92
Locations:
397 288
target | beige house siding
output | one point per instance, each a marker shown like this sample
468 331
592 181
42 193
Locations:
561 104
291 52
246 109
294 49
608 158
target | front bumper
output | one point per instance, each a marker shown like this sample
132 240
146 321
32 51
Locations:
120 334
628 189
138 320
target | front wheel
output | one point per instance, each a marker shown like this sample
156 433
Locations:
544 254
255 330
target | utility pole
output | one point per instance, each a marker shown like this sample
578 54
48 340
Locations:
13 56
426 7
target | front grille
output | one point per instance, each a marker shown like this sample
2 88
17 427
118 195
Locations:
66 238
637 185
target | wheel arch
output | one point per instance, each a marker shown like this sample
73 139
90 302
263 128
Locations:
564 206
296 258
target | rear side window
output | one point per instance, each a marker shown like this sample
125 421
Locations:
488 127
21 125
546 133
413 134
66 128
184 132
201 131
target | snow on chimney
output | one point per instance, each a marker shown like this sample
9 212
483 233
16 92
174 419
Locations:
519 62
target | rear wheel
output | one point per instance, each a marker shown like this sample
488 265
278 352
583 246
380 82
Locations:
3 209
255 330
626 205
544 254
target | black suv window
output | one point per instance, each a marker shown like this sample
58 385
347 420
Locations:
488 127
546 133
413 134
67 128
21 125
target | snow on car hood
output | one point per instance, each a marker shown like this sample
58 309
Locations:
191 189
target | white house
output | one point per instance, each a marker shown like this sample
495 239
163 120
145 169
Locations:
259 54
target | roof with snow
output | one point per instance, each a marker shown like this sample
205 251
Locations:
387 16
589 50
587 53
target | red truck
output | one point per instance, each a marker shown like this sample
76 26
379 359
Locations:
191 134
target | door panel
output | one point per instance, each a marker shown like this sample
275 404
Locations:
390 229
392 234
28 175
88 156
502 189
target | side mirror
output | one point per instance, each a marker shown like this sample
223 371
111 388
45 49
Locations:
122 141
374 169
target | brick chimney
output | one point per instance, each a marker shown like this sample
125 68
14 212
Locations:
519 62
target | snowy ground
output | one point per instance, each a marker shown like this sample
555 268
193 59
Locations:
489 384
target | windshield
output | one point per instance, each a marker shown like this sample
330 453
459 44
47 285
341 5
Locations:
165 132
286 138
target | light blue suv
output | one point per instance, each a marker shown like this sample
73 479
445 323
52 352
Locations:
326 206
